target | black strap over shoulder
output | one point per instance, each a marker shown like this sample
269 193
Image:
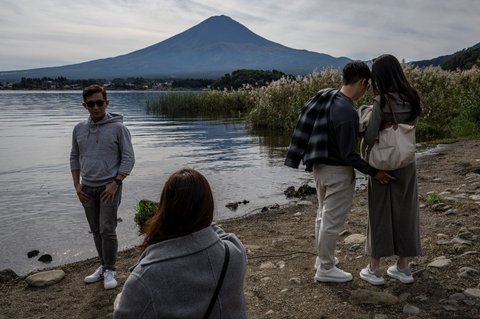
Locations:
220 282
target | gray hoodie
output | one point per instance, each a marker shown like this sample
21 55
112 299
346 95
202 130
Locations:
101 150
176 278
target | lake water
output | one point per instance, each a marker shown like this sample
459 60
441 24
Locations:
39 208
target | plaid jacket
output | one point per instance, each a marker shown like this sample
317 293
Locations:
310 138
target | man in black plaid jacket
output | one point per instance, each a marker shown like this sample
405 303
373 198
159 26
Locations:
325 138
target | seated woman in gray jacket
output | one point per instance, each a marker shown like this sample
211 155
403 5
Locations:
183 257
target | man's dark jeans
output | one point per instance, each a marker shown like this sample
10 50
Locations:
102 218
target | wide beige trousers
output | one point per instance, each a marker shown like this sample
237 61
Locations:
335 188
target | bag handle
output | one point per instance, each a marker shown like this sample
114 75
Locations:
220 282
393 113
395 122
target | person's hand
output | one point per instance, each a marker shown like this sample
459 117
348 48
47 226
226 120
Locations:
108 194
82 196
383 178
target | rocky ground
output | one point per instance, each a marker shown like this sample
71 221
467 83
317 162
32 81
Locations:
280 244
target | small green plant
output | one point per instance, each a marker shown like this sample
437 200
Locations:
434 198
145 210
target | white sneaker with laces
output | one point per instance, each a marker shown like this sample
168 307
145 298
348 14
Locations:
317 262
404 275
96 276
373 277
333 274
109 281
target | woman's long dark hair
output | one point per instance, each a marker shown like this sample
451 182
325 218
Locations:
388 77
186 206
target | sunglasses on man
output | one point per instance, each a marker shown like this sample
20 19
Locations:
92 104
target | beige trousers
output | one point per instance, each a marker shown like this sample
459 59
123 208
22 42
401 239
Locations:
335 187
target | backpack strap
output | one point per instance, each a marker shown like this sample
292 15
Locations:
220 282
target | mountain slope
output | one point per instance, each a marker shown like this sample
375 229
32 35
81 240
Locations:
212 48
463 59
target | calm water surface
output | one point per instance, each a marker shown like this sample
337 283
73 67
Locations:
39 208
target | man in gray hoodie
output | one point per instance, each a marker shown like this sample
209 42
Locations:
102 155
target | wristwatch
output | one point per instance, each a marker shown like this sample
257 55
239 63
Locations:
118 181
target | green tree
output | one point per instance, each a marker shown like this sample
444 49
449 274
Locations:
240 78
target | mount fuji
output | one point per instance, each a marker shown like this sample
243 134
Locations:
210 49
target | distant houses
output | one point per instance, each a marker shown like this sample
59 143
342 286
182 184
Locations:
62 83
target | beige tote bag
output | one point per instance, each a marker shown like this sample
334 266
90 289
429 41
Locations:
395 147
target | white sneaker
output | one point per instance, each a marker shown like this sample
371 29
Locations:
373 277
333 274
96 276
404 275
109 281
317 262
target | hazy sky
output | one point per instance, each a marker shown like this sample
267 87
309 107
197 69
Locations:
39 33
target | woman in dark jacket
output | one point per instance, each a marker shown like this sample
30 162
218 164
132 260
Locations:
182 260
393 210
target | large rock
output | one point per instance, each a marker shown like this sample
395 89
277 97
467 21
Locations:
6 275
355 239
302 191
410 310
45 278
467 272
267 265
472 292
364 296
440 262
